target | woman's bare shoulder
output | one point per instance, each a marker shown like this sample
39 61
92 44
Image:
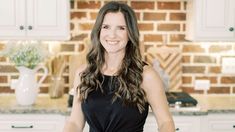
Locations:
149 71
150 77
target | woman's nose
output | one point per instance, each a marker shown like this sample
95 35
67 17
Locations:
112 33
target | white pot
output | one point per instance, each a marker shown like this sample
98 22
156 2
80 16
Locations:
27 87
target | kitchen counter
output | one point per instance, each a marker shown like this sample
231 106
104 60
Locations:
44 105
208 104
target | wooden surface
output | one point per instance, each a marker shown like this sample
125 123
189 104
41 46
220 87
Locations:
170 61
75 61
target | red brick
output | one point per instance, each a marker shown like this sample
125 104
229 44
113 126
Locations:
3 79
185 5
219 90
3 59
78 15
214 69
186 59
44 89
93 15
177 37
2 46
193 49
142 4
178 16
137 14
145 26
6 89
191 90
153 38
213 80
187 80
88 5
81 47
72 4
79 37
8 69
204 59
154 16
71 26
193 69
86 26
168 5
67 47
168 27
184 27
220 48
227 80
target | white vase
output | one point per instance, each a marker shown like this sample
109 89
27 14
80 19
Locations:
27 86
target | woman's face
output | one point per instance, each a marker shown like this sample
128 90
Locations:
113 34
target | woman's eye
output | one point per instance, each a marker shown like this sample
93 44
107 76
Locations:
122 28
105 27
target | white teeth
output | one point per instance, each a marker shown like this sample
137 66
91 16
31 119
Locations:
112 42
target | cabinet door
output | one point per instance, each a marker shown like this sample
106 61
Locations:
12 18
217 17
182 123
221 123
211 20
48 19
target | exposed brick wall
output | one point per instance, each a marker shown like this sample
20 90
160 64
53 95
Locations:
155 18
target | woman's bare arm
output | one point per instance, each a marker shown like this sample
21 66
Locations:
76 121
156 97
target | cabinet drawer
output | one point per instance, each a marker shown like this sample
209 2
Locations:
187 123
221 123
31 123
28 125
222 126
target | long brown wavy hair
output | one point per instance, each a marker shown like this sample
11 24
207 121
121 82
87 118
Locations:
129 76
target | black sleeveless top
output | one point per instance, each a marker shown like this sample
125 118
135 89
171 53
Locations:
103 115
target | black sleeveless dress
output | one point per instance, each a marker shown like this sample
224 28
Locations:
104 116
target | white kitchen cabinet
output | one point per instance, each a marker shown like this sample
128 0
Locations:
187 123
31 123
210 20
220 123
34 19
182 123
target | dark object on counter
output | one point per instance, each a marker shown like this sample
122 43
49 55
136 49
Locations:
70 100
180 99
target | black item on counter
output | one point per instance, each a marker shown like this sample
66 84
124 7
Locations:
180 98
70 100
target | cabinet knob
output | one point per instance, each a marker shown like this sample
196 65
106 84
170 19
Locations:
21 27
177 129
30 27
231 29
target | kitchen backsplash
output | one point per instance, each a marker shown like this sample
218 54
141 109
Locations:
156 18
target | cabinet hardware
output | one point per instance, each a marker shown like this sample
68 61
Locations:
233 126
30 27
21 27
31 126
177 129
231 29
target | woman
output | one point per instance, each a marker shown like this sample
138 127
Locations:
115 87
